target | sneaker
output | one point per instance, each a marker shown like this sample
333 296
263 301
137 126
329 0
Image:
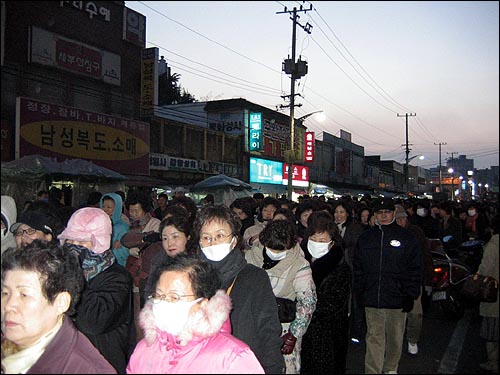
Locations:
392 372
412 348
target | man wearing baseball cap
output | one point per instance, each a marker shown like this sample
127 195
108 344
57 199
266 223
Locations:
387 272
33 225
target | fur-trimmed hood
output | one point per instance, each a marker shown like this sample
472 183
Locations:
206 322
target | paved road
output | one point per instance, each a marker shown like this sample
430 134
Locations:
446 347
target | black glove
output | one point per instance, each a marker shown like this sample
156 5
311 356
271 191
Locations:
407 305
151 237
289 341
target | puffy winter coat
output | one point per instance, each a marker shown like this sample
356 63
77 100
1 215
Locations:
387 267
202 348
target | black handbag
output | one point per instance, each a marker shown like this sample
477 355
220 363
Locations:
483 289
286 309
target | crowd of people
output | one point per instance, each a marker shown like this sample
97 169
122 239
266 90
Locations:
128 283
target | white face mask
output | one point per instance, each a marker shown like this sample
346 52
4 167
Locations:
217 252
421 212
318 249
471 212
171 317
276 256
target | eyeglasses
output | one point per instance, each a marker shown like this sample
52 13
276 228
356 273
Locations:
169 297
207 240
21 232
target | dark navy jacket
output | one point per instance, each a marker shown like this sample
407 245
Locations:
387 267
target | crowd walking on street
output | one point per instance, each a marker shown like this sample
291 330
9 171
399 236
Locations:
139 283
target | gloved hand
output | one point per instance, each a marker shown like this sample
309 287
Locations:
289 341
407 305
151 237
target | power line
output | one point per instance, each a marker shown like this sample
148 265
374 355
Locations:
384 95
210 40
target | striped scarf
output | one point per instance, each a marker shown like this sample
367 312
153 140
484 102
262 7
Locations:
92 263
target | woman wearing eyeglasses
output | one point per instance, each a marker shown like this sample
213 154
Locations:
254 317
182 322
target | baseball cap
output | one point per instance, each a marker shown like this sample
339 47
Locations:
34 219
384 204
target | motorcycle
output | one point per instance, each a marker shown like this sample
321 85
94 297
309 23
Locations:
448 277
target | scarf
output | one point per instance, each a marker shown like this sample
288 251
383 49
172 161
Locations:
323 266
21 361
138 225
92 263
342 228
228 267
470 223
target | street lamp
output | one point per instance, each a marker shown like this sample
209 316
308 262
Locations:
450 171
291 153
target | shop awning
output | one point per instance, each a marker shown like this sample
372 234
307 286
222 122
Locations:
147 181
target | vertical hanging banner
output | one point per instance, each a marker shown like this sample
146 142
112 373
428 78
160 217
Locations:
255 143
149 81
309 147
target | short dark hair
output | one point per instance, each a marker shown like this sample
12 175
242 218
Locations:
278 235
59 269
136 197
258 196
175 210
322 221
163 195
205 279
182 224
209 198
245 204
270 201
290 216
217 213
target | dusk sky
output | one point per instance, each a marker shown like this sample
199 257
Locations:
367 63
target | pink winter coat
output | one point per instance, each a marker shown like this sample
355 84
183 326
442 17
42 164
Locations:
203 348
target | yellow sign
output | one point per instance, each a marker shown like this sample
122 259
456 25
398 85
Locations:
84 140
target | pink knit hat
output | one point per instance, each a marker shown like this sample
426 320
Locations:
89 224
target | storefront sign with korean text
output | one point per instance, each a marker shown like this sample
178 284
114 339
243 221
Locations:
55 130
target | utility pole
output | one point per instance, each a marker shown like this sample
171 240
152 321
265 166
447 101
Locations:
407 148
440 169
452 175
452 153
297 70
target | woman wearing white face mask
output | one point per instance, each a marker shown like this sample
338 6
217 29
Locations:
476 223
254 318
324 345
278 253
183 324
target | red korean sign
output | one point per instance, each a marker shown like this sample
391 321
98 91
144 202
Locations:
308 147
300 175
